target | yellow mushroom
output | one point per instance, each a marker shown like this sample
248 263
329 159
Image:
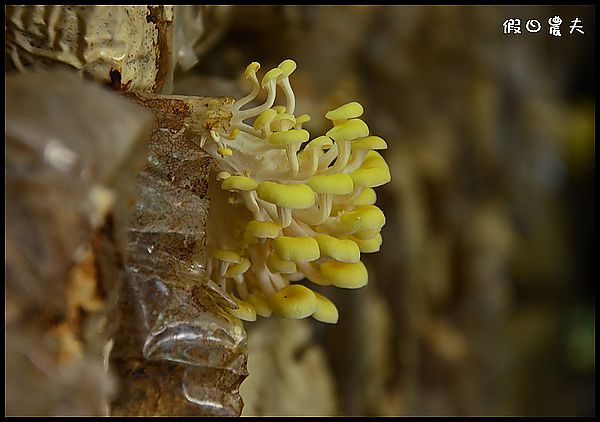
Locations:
238 269
311 154
373 172
225 258
279 109
344 274
246 186
287 67
360 149
326 186
277 265
261 230
245 310
291 141
365 217
297 249
294 302
263 122
343 250
268 82
300 120
326 310
283 122
343 135
369 245
347 111
286 198
261 304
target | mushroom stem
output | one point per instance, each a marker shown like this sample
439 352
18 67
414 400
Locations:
343 148
356 160
245 114
328 157
241 287
285 216
250 201
243 101
324 201
260 270
290 150
289 96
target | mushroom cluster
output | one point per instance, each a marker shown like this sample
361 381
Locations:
308 204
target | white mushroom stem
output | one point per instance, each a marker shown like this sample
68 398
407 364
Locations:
217 139
223 266
316 215
250 201
284 216
245 114
245 128
259 268
343 148
243 101
328 157
310 162
289 95
291 150
324 201
277 280
241 287
356 160
349 199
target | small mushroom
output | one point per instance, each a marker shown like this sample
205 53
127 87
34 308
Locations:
294 302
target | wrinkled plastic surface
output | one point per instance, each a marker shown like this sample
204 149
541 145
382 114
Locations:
66 141
176 341
128 47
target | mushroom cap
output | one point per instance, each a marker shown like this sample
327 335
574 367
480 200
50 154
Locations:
271 75
224 151
302 119
343 250
365 217
369 142
366 234
222 175
263 118
297 196
279 109
373 172
349 130
333 184
347 111
369 245
366 197
326 310
293 136
262 229
239 183
245 311
284 121
277 265
238 269
297 249
287 67
345 274
251 69
322 142
261 304
226 256
294 302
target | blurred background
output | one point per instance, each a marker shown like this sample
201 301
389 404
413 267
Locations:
481 300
